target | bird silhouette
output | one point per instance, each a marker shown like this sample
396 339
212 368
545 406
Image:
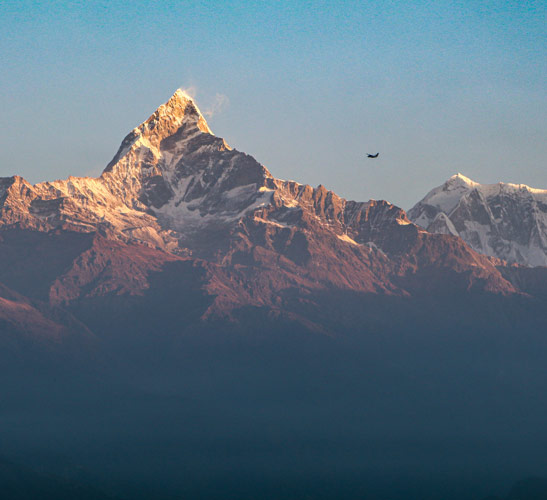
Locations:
372 156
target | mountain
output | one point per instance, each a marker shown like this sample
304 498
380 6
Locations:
174 192
211 331
507 221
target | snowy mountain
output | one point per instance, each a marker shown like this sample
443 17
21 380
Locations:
508 221
178 201
187 307
172 182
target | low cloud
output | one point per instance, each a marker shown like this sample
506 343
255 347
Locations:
191 91
220 103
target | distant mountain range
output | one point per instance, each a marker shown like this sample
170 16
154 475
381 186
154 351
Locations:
176 195
192 323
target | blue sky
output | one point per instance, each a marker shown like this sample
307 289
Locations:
307 88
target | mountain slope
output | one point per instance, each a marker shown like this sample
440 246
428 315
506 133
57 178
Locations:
507 221
255 336
174 192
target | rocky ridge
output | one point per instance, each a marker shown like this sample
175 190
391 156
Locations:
506 221
177 195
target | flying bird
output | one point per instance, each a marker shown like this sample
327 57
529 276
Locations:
372 156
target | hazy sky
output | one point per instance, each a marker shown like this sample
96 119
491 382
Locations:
306 87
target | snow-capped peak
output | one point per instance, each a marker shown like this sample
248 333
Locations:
489 189
445 197
460 179
182 94
181 106
176 120
503 220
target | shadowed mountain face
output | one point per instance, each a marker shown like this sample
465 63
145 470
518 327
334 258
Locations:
21 483
532 488
197 325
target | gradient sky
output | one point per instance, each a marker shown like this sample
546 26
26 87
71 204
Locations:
306 87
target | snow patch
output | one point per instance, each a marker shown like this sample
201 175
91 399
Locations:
347 239
403 222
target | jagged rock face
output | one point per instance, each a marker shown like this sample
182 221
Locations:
506 221
172 183
176 195
173 167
